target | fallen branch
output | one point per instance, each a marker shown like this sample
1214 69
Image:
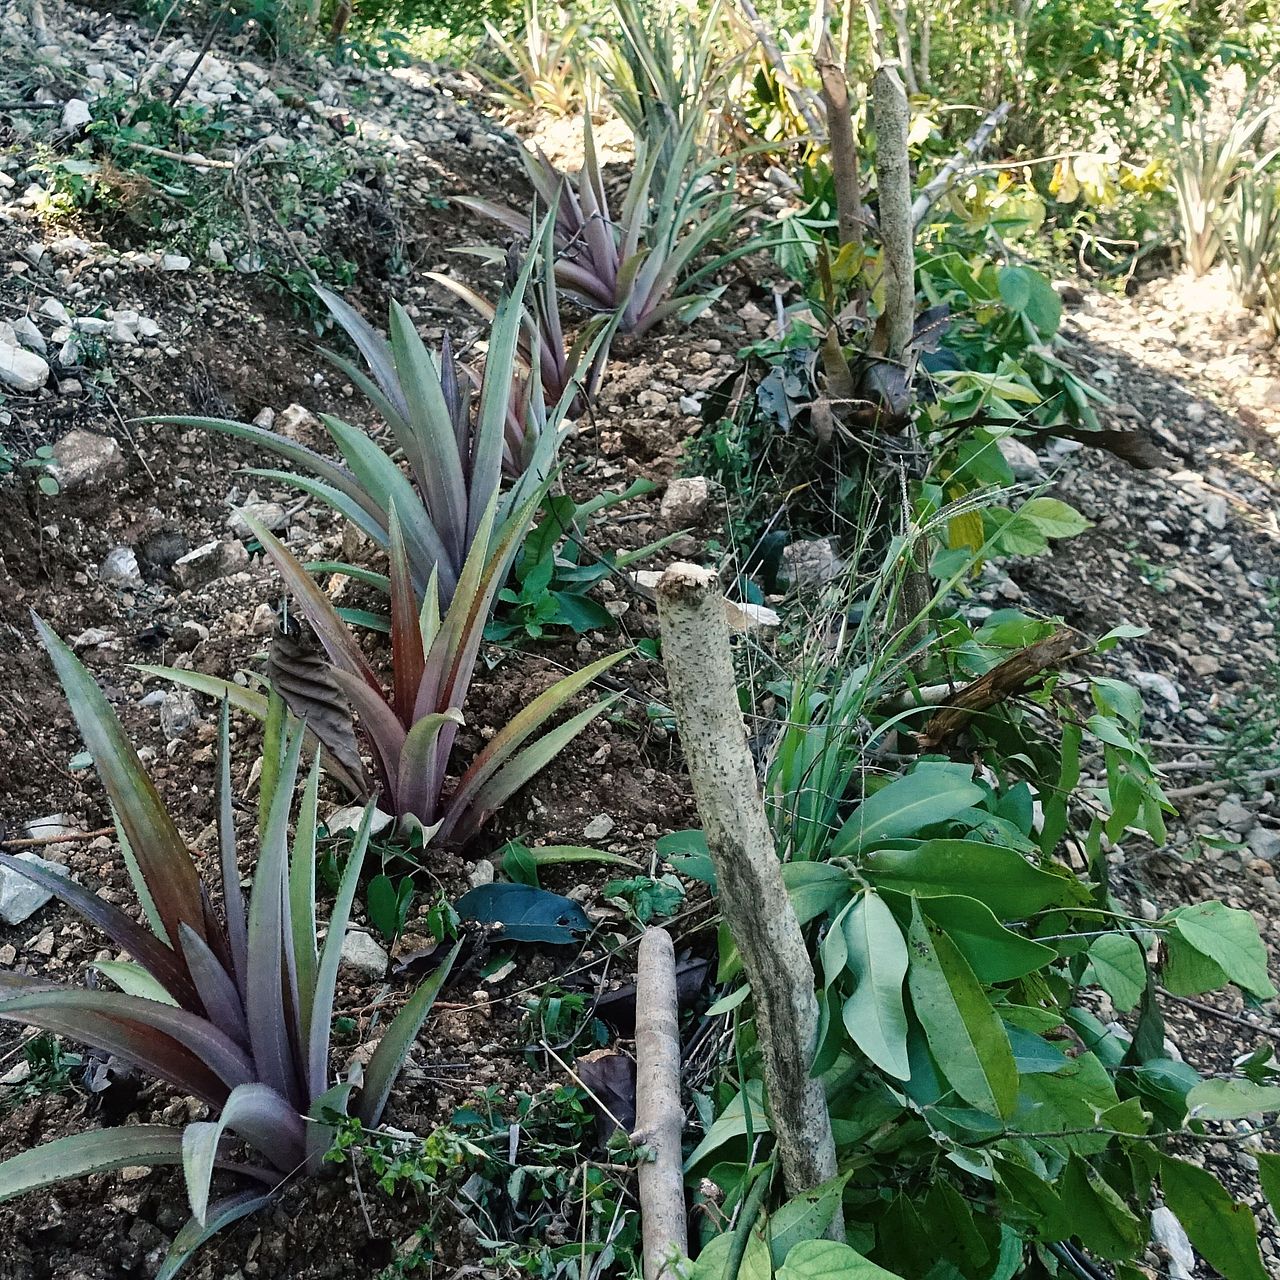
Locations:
1204 788
200 162
753 899
932 191
71 837
659 1116
996 686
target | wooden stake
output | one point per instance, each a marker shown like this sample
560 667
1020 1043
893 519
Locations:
752 896
659 1116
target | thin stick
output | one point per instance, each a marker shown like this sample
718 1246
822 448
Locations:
799 94
1224 1014
659 1116
1204 788
178 157
933 189
200 57
753 898
40 842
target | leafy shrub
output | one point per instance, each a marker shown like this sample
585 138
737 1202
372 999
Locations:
234 1010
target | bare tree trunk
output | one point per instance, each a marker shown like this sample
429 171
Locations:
897 230
659 1116
897 240
753 898
844 145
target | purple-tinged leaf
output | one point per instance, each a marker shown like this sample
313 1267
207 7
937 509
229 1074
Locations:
160 961
302 899
395 1042
417 791
321 1014
371 344
444 488
265 996
162 855
218 993
171 1043
221 1213
499 749
386 733
407 657
257 1114
514 775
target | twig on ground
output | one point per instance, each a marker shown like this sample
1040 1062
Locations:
1225 1014
71 837
1204 788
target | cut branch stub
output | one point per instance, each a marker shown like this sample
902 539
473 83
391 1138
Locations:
753 898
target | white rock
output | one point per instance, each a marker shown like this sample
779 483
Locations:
1164 688
147 327
363 956
598 827
21 898
92 638
1264 843
481 874
810 564
25 331
751 617
347 821
265 417
177 713
294 420
175 262
216 253
208 562
271 514
91 326
120 568
76 114
1215 511
23 370
53 310
1021 458
690 406
1235 817
82 460
1166 1230
685 500
69 353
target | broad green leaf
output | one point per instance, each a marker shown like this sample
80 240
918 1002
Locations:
1269 1177
994 953
1053 518
80 1154
1071 1099
1186 971
965 1034
1120 968
134 980
815 888
1099 1217
930 793
830 1260
732 1123
1229 937
1231 1099
1223 1230
804 1217
877 957
1000 878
